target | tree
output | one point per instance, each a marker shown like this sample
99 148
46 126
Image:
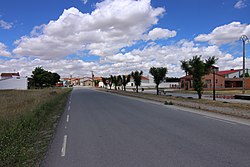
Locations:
125 80
159 74
116 80
105 81
246 75
96 83
137 78
56 78
197 68
42 78
110 83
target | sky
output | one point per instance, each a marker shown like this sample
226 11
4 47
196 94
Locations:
116 37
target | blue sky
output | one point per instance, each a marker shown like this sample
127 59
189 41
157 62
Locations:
110 37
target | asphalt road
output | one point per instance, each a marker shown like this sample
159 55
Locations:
99 129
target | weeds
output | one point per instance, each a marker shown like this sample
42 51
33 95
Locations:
26 131
168 103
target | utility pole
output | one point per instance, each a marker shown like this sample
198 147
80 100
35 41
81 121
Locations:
244 39
92 74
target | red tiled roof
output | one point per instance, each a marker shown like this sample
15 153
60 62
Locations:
144 78
227 72
10 74
98 78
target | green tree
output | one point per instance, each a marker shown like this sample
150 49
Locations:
137 78
125 80
110 83
116 80
56 78
105 81
246 75
42 78
159 74
198 68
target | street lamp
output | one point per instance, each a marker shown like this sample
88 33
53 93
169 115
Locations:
215 69
244 39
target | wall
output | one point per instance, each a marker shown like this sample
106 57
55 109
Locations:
14 83
247 83
220 81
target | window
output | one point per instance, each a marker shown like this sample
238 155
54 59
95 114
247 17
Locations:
208 81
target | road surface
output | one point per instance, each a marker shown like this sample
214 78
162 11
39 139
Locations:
99 129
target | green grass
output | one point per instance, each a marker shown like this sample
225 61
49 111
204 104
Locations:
27 127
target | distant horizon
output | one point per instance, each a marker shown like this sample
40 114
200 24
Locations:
113 37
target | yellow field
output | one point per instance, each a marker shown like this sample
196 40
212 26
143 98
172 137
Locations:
14 103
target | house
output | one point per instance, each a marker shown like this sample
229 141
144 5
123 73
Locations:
98 82
144 81
233 78
85 81
186 82
13 81
228 79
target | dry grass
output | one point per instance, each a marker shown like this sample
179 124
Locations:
27 122
14 103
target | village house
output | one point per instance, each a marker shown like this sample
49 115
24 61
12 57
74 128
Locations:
13 81
228 79
233 78
85 81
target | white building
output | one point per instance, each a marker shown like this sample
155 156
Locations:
13 81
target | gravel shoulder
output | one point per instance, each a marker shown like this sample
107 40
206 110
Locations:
231 109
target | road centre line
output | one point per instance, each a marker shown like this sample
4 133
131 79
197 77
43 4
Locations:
67 118
68 108
220 120
63 152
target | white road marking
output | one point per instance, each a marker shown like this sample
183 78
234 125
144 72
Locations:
63 153
67 118
220 120
70 102
68 108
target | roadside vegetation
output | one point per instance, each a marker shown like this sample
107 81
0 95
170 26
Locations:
198 68
42 78
27 121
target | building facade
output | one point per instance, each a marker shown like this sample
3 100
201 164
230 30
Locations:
13 81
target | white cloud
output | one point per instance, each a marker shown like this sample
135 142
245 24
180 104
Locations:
123 63
5 25
114 24
225 34
159 33
3 50
125 58
166 56
240 4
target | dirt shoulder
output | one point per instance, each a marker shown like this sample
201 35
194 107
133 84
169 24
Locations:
233 109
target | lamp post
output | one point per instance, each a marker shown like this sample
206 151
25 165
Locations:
215 69
92 73
244 39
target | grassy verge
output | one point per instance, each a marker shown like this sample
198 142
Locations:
27 122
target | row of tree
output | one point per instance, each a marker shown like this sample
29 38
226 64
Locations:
42 78
195 67
158 73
